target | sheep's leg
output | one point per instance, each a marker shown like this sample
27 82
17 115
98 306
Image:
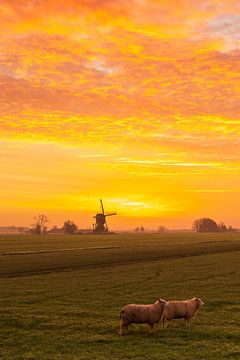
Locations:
187 322
122 328
163 323
151 330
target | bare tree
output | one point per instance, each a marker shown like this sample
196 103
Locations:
69 227
39 227
205 225
139 229
161 229
209 225
222 227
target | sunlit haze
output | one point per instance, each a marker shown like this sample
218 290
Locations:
135 102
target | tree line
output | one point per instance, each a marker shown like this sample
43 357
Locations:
39 227
203 225
209 225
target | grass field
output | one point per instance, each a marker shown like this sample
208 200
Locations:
61 295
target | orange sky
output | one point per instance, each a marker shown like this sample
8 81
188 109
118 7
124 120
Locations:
132 101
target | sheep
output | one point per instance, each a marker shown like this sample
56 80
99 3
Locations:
149 314
186 309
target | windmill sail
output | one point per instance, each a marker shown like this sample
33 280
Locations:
102 206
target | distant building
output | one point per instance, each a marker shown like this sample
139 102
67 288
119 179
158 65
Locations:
14 230
55 230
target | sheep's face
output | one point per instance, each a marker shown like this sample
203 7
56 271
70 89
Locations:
199 302
162 303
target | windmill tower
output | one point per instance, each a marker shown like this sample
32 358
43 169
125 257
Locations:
100 225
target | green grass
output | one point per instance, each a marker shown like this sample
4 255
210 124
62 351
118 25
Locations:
61 296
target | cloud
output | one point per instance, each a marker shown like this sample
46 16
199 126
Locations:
141 95
226 27
213 190
101 66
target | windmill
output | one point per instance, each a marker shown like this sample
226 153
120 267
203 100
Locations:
100 225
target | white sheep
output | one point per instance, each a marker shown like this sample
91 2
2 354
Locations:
149 314
185 309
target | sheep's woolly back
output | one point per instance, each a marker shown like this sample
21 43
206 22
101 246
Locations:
181 309
139 313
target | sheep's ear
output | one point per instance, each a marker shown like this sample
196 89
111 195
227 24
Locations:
162 301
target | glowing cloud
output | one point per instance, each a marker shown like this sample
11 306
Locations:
131 100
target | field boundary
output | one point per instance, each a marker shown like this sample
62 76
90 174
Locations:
58 269
36 252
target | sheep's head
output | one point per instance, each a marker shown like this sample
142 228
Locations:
163 302
199 302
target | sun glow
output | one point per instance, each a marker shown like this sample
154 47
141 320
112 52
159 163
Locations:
135 102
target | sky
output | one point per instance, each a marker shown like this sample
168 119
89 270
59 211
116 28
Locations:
135 102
